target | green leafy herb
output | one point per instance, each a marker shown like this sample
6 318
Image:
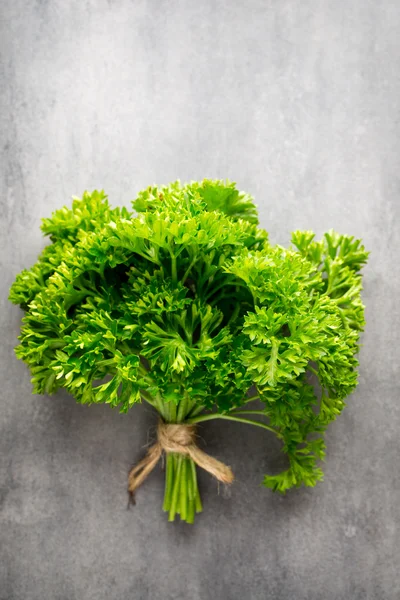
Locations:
186 305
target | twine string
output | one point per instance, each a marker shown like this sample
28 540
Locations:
181 439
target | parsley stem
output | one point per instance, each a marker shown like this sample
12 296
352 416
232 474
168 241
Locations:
106 362
182 408
191 507
175 492
313 370
221 285
188 270
169 481
156 402
212 416
147 397
196 410
183 492
197 500
234 314
174 272
250 412
172 411
251 398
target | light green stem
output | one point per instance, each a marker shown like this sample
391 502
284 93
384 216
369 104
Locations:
174 272
184 489
197 500
182 409
196 410
210 417
250 412
191 507
175 493
252 398
188 270
169 480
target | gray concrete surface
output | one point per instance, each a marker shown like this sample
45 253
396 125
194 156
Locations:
299 102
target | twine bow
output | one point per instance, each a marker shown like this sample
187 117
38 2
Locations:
179 438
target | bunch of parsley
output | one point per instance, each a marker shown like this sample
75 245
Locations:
187 306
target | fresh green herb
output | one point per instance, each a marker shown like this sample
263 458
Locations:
187 306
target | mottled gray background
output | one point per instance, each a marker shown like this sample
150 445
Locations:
299 102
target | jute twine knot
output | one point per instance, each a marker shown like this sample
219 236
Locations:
179 438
